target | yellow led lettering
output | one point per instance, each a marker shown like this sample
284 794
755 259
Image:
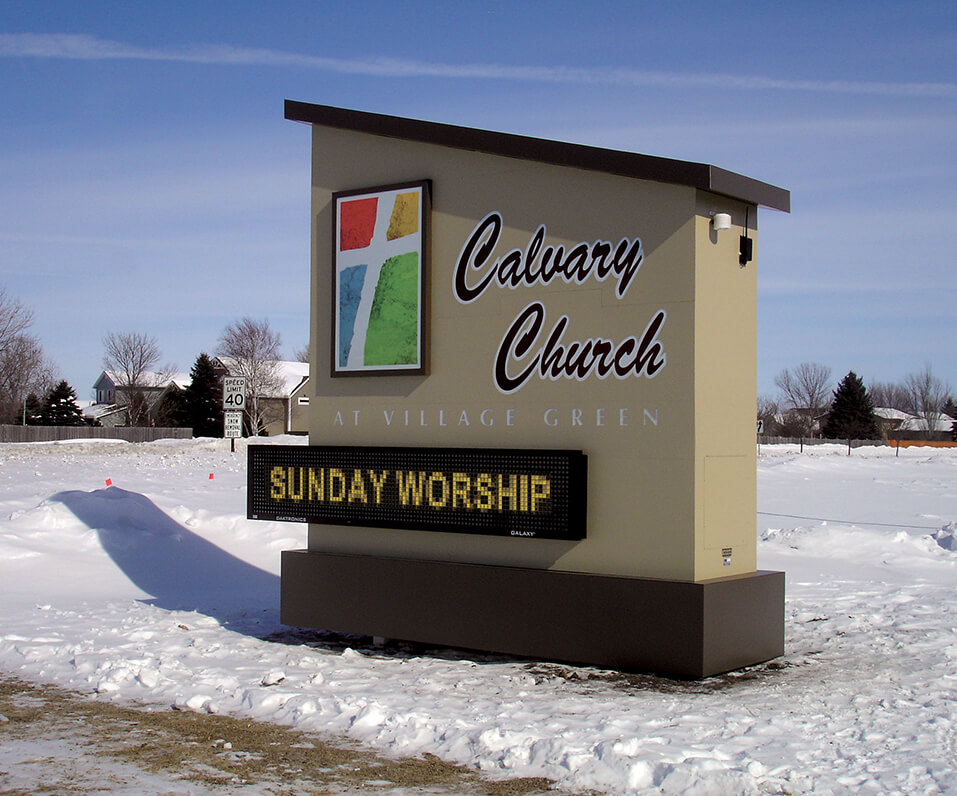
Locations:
461 487
378 482
316 484
337 478
443 498
357 492
483 490
541 490
490 492
509 493
291 492
278 481
410 487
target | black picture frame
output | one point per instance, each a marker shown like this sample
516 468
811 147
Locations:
381 251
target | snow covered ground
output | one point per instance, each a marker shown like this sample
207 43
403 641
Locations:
156 589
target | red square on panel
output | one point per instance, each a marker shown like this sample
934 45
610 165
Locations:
356 223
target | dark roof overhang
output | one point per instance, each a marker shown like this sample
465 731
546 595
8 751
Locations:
556 153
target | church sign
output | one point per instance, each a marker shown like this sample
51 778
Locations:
532 419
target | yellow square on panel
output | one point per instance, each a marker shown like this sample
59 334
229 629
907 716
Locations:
405 216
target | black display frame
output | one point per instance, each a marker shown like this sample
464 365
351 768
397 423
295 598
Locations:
561 515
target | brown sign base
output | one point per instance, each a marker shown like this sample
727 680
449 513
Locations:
674 628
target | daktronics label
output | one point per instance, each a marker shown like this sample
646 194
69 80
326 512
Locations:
527 493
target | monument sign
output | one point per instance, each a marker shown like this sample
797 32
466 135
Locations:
532 423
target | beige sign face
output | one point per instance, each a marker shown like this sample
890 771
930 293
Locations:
571 310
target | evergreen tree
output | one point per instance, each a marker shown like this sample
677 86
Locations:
60 408
202 408
852 413
169 410
950 409
34 407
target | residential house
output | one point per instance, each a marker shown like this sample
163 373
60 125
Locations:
286 406
285 409
894 421
944 423
890 420
111 406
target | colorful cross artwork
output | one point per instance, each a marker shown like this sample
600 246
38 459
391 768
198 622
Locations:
379 256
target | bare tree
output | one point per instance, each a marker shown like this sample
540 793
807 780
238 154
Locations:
15 319
130 357
250 348
24 370
768 410
302 354
889 395
767 406
23 367
807 392
927 396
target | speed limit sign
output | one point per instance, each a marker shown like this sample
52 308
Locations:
234 392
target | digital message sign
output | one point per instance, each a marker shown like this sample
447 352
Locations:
501 492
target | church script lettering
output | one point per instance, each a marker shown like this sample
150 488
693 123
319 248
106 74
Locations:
526 350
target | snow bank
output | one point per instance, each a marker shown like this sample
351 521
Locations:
157 589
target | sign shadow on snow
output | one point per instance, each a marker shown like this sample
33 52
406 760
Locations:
182 571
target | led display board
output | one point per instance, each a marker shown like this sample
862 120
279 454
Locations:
501 492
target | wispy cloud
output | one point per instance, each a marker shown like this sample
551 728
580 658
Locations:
84 47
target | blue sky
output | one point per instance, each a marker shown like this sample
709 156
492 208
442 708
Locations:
148 180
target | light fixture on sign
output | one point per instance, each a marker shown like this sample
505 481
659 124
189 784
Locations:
721 221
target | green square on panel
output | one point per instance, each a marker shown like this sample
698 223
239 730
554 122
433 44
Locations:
393 333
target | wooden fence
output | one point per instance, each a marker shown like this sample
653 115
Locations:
765 439
926 443
58 433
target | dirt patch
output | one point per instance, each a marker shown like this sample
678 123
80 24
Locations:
588 680
76 744
584 679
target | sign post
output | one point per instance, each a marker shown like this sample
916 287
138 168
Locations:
234 401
